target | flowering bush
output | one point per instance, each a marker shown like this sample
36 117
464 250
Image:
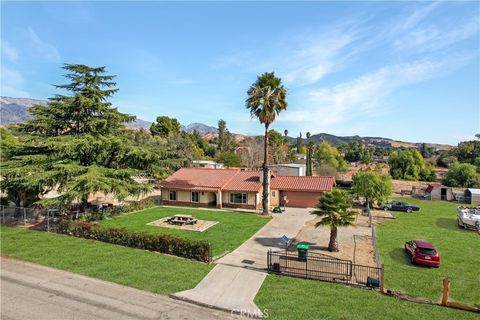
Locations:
198 250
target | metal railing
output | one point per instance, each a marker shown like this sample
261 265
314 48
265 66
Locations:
320 267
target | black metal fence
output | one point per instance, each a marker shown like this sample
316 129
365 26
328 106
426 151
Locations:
321 267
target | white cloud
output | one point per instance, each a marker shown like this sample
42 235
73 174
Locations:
45 50
435 37
316 59
12 83
10 52
364 96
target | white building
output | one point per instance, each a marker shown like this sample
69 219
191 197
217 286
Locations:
289 169
207 164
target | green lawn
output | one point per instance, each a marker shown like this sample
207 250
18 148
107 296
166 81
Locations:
459 250
132 267
231 231
290 298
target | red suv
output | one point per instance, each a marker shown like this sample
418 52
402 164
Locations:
422 252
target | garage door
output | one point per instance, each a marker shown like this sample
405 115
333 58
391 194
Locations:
301 199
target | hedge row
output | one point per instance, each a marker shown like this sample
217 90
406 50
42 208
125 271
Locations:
198 250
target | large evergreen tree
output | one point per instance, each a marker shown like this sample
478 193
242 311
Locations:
77 145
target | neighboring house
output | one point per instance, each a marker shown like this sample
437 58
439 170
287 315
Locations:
472 196
234 188
289 169
206 164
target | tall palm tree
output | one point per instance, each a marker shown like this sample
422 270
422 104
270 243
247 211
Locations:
266 98
334 209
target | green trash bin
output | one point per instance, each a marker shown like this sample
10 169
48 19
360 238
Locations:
303 251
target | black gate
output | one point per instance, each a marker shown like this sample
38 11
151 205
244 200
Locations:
321 267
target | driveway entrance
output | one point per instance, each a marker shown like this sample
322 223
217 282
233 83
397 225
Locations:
234 282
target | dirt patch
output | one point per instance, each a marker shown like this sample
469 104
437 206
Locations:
355 243
200 226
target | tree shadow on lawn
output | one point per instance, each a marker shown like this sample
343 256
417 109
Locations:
400 256
449 224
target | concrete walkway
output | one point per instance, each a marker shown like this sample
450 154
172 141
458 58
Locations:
234 282
253 252
30 291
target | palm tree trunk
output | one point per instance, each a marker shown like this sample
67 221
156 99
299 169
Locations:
266 185
333 244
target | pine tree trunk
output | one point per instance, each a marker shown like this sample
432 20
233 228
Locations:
333 244
266 186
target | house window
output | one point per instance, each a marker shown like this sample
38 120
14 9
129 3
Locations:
173 196
240 198
195 197
273 194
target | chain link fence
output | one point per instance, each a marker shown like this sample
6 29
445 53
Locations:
28 217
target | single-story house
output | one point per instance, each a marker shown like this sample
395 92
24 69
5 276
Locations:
236 188
289 169
472 196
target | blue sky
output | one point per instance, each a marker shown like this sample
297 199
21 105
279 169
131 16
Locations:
405 70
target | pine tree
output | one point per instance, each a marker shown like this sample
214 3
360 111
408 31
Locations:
77 145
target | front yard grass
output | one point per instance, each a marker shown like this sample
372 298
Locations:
459 250
131 267
233 228
291 298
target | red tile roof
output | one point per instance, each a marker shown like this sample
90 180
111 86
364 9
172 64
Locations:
248 181
198 179
303 183
206 179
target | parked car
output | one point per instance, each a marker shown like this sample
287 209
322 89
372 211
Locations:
400 206
468 218
422 252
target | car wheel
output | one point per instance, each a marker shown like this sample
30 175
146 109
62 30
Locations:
412 260
409 210
459 223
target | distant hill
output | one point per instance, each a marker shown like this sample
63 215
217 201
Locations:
15 110
378 142
200 128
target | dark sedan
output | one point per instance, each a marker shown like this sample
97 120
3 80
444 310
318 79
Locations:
400 206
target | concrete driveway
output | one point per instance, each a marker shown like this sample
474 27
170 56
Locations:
234 282
30 291
253 252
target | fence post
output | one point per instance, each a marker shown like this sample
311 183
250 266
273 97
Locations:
3 215
306 267
445 291
25 217
48 220
382 279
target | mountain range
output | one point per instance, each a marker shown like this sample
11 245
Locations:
15 110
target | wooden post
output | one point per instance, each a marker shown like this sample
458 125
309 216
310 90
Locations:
382 288
445 291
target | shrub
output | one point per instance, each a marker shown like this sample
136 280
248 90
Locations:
197 250
461 175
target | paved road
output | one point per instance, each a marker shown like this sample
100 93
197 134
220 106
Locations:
235 281
30 291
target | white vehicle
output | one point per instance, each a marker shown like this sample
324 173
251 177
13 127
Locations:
469 218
